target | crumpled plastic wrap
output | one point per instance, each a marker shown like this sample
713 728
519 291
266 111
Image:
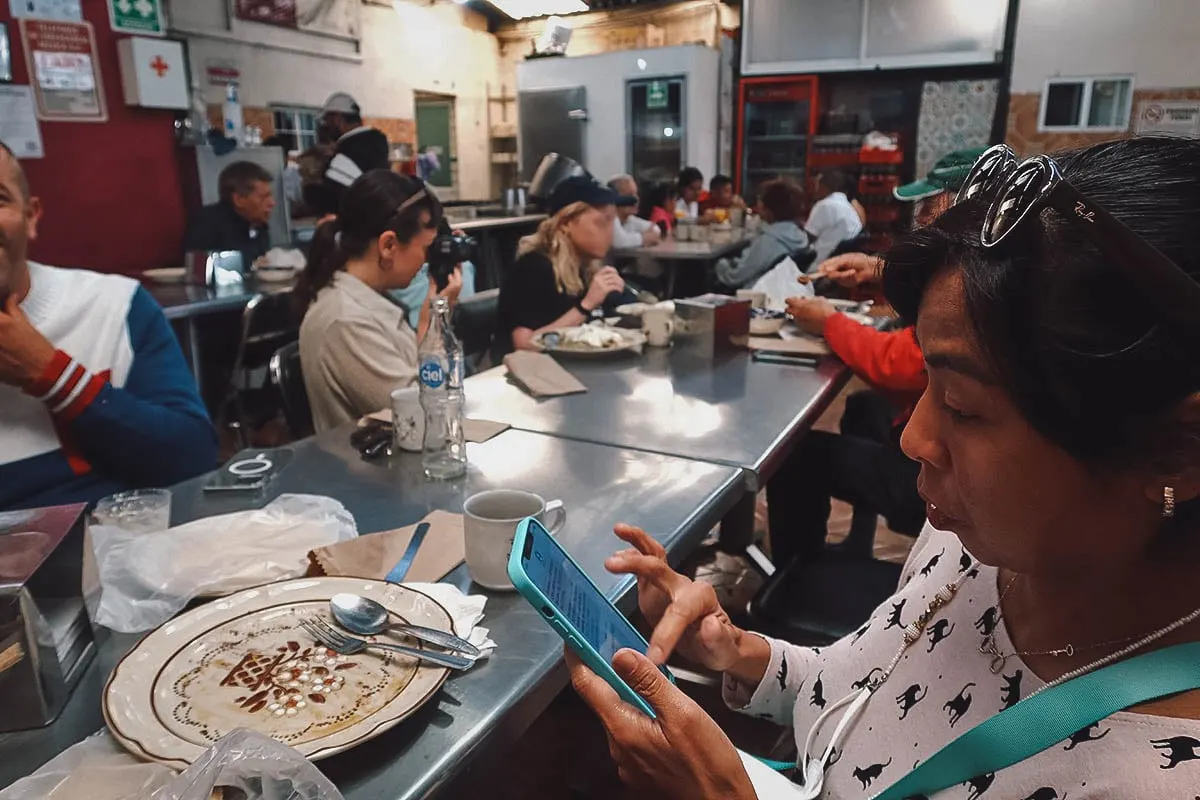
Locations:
146 578
244 764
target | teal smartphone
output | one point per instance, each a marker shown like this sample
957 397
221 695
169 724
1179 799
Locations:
546 575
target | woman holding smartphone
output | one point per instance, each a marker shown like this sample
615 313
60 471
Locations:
1059 448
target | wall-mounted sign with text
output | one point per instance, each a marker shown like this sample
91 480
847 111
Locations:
66 10
64 70
1178 117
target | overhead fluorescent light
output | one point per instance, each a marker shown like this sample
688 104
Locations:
524 9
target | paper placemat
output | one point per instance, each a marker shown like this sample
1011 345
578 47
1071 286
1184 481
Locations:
476 431
541 375
374 555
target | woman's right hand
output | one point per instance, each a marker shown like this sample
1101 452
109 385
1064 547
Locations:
604 282
685 614
851 269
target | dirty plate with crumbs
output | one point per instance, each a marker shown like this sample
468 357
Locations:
244 662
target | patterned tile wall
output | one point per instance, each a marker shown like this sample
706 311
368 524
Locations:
954 115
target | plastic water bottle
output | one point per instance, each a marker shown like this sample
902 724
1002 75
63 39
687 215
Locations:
232 113
440 357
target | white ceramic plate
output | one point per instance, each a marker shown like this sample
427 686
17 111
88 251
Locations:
244 662
631 341
166 275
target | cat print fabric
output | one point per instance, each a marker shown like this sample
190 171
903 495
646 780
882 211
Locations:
943 687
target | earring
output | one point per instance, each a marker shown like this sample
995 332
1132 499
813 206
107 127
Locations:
1168 509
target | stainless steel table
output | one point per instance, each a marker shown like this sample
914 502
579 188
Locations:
670 251
729 411
487 708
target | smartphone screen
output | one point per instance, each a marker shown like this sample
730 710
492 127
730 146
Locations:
575 597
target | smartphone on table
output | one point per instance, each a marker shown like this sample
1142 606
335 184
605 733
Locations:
546 575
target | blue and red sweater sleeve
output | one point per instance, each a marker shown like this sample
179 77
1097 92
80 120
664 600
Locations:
153 431
890 361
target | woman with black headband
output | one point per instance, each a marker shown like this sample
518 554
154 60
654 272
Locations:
356 346
1045 638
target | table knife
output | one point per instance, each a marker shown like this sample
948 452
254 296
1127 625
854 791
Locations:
414 544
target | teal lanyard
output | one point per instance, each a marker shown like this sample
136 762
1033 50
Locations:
1042 720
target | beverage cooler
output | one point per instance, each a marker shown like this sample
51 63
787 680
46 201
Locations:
777 118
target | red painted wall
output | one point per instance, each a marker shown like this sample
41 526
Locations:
111 191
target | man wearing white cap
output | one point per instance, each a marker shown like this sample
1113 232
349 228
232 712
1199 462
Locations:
359 148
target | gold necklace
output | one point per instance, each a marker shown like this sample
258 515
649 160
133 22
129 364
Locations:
999 658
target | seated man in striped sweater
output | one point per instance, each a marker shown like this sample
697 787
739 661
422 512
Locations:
95 396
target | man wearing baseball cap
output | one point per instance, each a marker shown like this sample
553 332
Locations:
864 465
358 149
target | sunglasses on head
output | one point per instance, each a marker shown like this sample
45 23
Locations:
1021 190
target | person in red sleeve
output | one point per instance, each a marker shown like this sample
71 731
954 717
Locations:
864 465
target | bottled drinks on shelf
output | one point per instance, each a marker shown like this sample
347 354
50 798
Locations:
440 357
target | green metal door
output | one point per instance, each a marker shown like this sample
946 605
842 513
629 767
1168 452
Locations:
434 129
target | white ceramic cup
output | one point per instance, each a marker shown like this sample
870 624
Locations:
408 419
757 299
490 524
659 325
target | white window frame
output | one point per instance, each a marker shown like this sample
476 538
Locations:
295 111
1085 108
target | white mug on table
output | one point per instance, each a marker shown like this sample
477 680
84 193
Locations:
490 523
408 419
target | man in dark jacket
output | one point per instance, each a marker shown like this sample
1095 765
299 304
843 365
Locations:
358 149
239 220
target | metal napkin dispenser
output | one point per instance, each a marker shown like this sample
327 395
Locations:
711 324
215 268
45 638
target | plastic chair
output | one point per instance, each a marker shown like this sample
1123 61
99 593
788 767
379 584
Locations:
287 377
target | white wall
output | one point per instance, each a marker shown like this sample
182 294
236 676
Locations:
606 138
1154 40
413 47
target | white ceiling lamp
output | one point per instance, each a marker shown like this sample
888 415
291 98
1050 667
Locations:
523 9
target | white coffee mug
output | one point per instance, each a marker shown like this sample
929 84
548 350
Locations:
757 299
408 419
659 325
490 523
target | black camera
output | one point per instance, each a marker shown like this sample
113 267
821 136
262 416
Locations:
448 250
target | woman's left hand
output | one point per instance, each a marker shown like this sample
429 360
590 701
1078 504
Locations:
810 313
681 754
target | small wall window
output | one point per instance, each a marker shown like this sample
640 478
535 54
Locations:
301 123
1086 104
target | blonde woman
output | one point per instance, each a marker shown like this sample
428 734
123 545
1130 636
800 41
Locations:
558 280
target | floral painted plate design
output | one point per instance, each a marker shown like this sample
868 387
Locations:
244 662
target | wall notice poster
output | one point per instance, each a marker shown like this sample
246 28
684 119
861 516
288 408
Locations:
64 70
339 18
1177 117
271 12
18 122
66 10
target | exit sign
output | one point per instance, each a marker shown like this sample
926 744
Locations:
141 17
656 95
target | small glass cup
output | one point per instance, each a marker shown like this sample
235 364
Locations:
137 511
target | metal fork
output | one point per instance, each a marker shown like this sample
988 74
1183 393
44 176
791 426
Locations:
348 645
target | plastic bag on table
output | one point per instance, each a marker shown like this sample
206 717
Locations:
780 283
144 579
246 764
95 769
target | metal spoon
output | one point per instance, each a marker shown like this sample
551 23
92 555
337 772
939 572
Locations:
366 617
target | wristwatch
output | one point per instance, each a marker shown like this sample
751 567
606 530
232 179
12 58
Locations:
579 307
